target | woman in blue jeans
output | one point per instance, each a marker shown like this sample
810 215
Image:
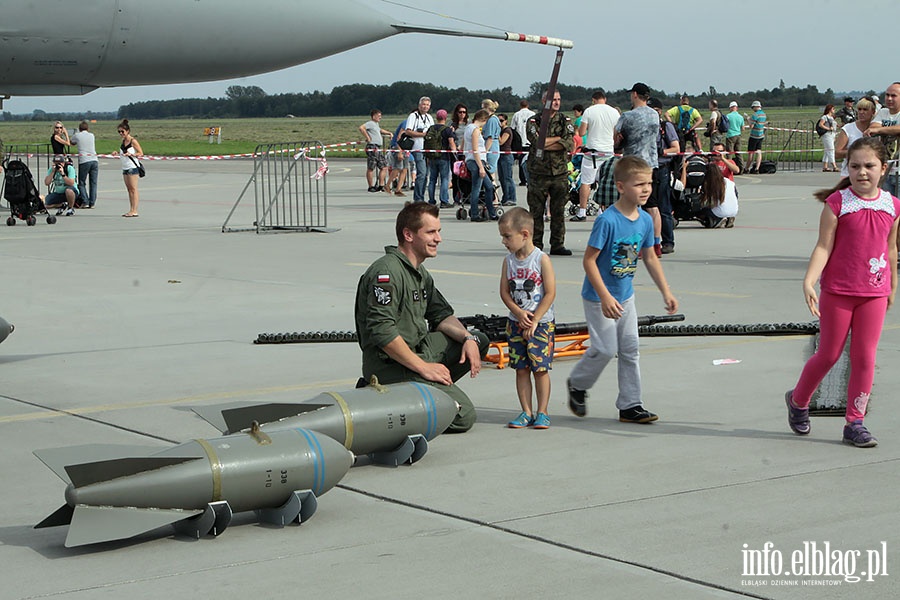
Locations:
505 165
476 163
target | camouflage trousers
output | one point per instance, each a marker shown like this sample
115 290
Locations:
556 187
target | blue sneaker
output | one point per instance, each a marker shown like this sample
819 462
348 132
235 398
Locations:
798 418
523 420
542 421
856 434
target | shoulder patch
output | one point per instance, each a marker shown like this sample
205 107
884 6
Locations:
382 295
384 279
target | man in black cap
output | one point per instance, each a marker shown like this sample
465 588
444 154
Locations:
637 129
847 114
636 133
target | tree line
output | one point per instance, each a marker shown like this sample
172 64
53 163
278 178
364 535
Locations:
402 96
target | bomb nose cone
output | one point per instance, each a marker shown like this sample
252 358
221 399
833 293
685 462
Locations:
5 329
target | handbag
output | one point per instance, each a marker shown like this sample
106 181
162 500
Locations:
406 142
139 166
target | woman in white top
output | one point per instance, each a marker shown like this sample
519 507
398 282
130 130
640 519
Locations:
130 152
827 122
476 163
851 132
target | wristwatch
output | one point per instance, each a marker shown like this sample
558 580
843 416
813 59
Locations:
470 337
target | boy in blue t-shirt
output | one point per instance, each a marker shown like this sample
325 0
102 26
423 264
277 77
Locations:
619 236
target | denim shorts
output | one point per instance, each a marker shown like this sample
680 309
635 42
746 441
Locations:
134 171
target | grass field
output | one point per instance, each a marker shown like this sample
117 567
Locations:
184 137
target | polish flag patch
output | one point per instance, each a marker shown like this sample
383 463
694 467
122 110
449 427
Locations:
384 279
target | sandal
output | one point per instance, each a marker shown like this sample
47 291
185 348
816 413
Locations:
129 215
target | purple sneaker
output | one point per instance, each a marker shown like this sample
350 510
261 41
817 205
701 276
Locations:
798 418
856 433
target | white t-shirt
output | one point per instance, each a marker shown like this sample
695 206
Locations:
519 121
470 151
887 119
601 122
729 206
853 133
421 123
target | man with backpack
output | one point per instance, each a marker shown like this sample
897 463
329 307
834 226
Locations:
439 147
686 119
417 123
717 127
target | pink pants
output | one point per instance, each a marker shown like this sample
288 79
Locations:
839 315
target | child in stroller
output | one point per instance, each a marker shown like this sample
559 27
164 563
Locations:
462 191
707 196
594 206
22 194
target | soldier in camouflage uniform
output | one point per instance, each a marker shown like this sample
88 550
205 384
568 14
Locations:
548 176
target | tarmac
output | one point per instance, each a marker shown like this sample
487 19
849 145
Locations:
122 325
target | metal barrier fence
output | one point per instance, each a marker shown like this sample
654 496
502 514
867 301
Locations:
37 156
797 145
288 189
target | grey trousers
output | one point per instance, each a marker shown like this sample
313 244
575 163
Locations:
608 338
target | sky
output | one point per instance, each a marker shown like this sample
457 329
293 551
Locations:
672 46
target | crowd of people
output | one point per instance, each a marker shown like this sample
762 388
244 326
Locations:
471 160
854 261
69 188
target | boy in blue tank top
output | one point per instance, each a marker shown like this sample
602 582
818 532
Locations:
620 235
528 288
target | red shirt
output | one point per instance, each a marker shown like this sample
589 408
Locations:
726 172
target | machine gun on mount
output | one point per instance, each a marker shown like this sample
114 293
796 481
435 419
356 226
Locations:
569 337
494 326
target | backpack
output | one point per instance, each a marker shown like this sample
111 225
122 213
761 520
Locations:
433 141
684 119
767 167
19 186
516 144
696 171
722 125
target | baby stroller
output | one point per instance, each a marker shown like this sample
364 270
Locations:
686 205
574 177
462 190
707 197
22 194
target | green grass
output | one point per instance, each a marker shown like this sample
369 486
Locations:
184 137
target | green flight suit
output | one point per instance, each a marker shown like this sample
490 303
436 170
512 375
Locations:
394 298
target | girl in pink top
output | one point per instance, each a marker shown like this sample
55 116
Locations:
856 258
